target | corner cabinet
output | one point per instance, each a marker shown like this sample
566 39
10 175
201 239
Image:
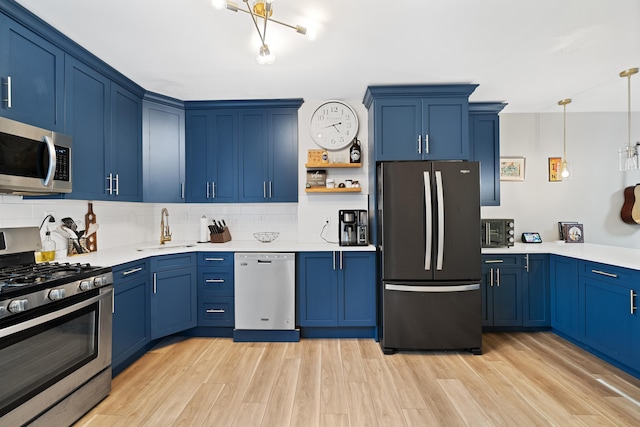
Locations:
32 77
336 294
484 138
173 294
425 122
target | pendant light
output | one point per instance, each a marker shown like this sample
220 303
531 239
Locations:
565 173
629 156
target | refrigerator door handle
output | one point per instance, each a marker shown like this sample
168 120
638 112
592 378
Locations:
411 288
428 221
440 196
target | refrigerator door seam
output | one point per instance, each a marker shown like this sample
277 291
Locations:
440 196
428 220
411 288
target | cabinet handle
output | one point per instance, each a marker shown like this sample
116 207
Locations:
117 188
110 188
8 98
526 265
493 261
264 189
334 260
340 260
215 310
113 303
426 143
632 295
604 273
155 283
133 270
208 190
498 277
270 189
213 189
182 190
214 281
214 259
491 277
419 144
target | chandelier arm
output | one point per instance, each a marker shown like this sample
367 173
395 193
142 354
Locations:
293 27
265 19
253 18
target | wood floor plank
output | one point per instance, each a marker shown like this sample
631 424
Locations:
306 404
332 385
197 410
419 417
404 382
334 420
249 414
259 389
385 399
280 407
351 361
465 404
361 409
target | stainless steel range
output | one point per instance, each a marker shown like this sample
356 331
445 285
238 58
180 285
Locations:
55 334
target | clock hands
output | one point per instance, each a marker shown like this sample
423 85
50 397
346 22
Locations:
332 125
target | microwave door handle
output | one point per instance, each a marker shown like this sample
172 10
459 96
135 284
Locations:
440 196
428 221
52 162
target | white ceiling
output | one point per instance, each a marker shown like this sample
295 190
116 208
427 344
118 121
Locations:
529 54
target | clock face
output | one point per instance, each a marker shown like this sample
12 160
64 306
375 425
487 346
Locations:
334 125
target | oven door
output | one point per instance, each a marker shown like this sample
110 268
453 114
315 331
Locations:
46 356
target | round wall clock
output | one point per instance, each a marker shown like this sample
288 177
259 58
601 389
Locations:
333 125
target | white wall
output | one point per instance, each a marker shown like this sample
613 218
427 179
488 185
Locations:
594 195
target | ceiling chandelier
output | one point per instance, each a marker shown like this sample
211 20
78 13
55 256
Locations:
564 169
261 12
629 155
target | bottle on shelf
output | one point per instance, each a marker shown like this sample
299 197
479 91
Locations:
355 151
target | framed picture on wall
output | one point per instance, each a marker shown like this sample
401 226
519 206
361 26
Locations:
555 163
511 168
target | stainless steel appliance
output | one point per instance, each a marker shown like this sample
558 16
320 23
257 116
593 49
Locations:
33 160
352 230
428 219
497 233
264 294
55 334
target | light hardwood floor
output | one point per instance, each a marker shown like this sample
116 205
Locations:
522 379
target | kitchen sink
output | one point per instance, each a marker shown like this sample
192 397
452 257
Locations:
165 246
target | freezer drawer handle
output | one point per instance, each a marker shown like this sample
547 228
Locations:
410 288
216 310
604 273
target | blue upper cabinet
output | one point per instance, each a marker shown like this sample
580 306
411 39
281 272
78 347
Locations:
254 156
163 150
32 75
426 122
212 156
484 134
283 144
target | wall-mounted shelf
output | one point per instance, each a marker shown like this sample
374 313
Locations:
332 165
332 190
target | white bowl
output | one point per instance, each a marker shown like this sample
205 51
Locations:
266 236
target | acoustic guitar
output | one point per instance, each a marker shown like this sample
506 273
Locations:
630 212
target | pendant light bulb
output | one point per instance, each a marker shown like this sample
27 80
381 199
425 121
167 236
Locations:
629 156
218 4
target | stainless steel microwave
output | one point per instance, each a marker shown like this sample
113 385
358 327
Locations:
33 160
497 233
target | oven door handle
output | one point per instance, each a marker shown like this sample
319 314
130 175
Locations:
9 330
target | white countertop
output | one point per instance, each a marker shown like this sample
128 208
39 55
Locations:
124 254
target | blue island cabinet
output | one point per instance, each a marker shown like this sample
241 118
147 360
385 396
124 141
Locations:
563 272
336 294
32 74
131 313
174 294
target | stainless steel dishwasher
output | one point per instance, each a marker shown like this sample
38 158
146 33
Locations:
264 290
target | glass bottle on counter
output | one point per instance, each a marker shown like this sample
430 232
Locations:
48 252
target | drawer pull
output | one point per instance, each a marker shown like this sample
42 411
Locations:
133 270
214 281
632 295
215 310
214 259
604 273
494 261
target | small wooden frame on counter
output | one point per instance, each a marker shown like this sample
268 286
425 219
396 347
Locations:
332 190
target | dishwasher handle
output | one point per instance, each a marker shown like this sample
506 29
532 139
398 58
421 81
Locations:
264 261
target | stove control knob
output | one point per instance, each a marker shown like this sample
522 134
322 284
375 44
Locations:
86 285
99 281
56 294
18 305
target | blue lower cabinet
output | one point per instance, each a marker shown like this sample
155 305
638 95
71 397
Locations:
174 294
216 291
336 294
536 311
502 285
131 313
217 312
563 272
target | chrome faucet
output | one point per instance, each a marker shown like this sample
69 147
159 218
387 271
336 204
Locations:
165 233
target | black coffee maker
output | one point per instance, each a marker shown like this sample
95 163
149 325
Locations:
353 227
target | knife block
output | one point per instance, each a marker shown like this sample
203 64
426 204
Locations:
225 236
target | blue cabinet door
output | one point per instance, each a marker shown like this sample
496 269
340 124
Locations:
317 291
173 301
131 318
283 155
484 136
563 273
87 103
32 74
486 291
197 150
535 304
397 127
163 144
507 297
357 289
254 157
125 162
445 129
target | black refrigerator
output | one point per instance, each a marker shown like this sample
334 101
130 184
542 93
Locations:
428 227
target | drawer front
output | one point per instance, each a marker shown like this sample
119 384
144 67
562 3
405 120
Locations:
129 271
215 259
216 312
608 273
500 260
172 262
215 282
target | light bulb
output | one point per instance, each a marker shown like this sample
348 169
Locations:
218 4
565 170
265 56
311 33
